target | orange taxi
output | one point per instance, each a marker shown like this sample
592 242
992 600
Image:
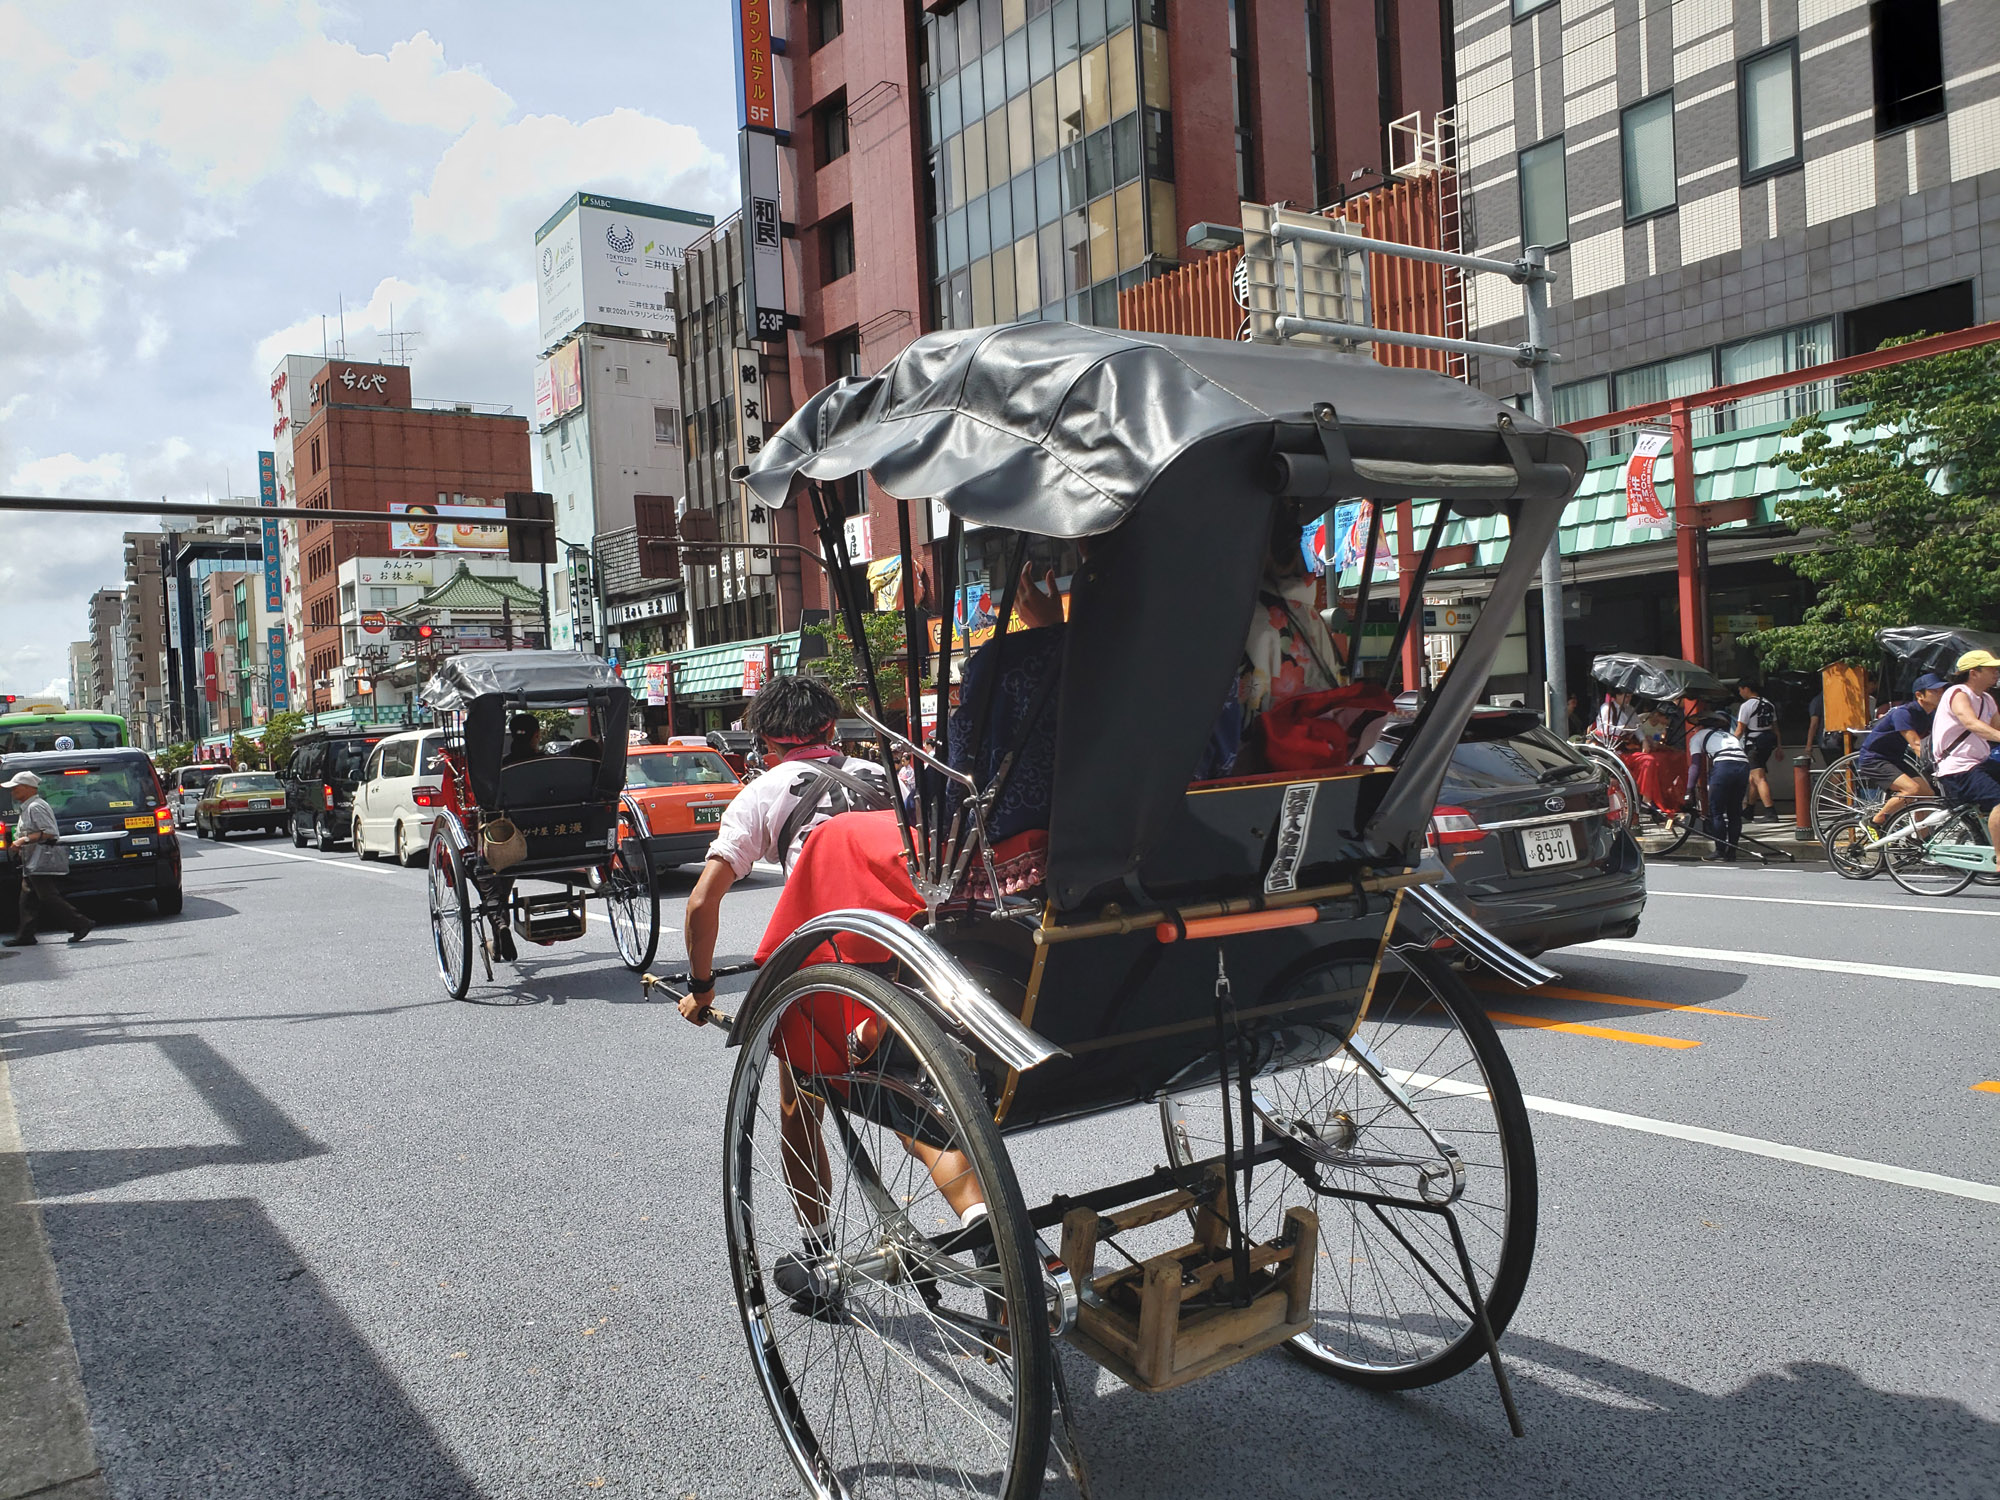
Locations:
681 789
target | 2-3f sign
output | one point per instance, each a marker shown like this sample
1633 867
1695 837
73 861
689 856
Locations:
770 323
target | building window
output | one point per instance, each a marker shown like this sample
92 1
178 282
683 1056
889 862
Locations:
1316 101
1243 91
843 356
1684 375
1777 354
1529 7
1768 95
667 424
381 598
1909 62
836 238
1544 195
315 455
620 375
830 123
828 21
1648 133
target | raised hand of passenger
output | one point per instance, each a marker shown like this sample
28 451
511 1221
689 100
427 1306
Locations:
1034 608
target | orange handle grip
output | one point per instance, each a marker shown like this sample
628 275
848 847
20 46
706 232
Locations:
1249 921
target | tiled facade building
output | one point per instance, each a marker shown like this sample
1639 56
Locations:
1729 191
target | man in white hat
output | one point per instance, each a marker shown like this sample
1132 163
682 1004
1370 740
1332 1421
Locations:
44 862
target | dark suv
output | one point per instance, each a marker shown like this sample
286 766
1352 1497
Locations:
112 814
320 780
1538 845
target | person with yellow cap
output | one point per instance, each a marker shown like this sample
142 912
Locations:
1965 732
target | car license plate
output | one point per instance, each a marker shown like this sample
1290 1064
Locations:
1550 845
710 813
99 850
257 802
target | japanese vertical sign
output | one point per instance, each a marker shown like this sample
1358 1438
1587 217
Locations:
763 235
1642 501
274 581
747 382
756 100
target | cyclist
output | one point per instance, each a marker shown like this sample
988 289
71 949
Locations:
1720 768
1757 728
1964 732
1892 747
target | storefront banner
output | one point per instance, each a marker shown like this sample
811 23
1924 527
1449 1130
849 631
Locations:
756 670
1350 529
885 582
1642 501
656 684
274 646
447 528
267 497
974 609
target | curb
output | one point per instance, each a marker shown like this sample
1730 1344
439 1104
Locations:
46 1451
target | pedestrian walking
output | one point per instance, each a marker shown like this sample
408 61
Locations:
37 844
1964 733
1719 765
1757 729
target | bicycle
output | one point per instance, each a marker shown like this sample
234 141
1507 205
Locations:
1937 846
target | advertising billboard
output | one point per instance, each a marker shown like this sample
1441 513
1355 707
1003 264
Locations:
559 383
267 496
611 261
447 528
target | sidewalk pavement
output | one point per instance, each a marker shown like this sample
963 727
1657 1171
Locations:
1779 835
45 1445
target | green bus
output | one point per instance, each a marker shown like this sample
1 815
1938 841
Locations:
41 728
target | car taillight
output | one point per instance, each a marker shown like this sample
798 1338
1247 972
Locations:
1453 825
426 796
163 818
1616 811
326 790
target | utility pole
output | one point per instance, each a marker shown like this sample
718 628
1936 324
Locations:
1542 407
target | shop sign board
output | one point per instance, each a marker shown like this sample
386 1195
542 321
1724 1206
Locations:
274 646
387 570
657 607
373 622
611 261
763 228
854 531
756 670
1450 619
447 528
1642 501
559 383
756 97
267 496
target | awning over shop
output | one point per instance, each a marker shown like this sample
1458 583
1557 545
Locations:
1746 465
712 670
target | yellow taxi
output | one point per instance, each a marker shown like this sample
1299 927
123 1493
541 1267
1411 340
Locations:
681 789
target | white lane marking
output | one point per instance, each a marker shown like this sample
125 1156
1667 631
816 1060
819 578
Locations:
1943 911
1853 1166
307 859
1792 961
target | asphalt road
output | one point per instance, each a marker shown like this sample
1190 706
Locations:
321 1232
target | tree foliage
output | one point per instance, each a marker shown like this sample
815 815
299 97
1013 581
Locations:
1911 532
244 751
841 673
173 757
279 732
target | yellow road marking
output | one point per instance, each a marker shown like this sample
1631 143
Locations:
1986 1088
1577 1028
1557 992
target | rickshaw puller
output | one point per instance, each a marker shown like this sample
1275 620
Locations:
807 783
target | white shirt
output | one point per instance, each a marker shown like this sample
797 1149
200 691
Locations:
1756 716
1719 745
752 823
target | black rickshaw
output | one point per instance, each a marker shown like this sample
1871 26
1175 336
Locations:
1348 1166
1653 772
554 820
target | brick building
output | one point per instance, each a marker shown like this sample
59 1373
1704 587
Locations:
366 446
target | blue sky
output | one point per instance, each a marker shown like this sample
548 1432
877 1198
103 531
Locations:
186 189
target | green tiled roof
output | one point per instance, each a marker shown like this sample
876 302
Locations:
713 669
1742 465
468 590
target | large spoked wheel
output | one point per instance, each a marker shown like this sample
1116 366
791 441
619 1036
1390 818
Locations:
632 897
1390 1305
1618 774
1684 825
1851 851
451 917
895 1361
1846 790
1906 848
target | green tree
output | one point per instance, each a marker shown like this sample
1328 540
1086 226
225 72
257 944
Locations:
1911 534
173 757
244 751
557 723
841 673
279 732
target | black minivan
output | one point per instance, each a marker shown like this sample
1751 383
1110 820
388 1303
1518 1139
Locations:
320 780
112 815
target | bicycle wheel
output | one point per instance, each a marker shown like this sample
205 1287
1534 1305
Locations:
1845 790
1851 852
632 898
1684 825
1619 773
451 917
1381 1319
895 1361
1906 849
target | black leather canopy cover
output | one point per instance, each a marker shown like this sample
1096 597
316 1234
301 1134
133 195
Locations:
487 686
1660 677
1172 453
1916 649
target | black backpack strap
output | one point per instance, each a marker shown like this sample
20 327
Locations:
827 774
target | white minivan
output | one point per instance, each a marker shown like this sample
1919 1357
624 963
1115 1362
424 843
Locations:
400 792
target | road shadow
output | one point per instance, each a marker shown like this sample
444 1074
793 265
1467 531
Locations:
218 1366
1645 979
262 1133
1595 1428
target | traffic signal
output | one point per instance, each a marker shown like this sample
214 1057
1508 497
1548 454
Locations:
531 544
425 632
403 632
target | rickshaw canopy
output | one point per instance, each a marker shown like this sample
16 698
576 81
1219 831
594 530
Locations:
1173 454
487 686
1660 677
1916 649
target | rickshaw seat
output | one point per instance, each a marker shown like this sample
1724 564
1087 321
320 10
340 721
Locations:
548 781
